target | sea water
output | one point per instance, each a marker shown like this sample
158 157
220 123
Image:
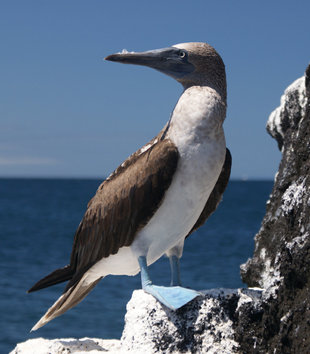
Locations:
38 218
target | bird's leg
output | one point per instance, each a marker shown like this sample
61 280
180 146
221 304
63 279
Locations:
173 297
174 254
145 277
175 270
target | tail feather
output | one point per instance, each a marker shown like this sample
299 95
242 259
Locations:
57 276
69 299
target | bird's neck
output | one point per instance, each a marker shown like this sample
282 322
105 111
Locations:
199 113
213 81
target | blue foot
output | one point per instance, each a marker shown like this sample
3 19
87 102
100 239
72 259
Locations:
173 297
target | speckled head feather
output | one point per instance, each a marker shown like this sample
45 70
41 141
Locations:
191 64
209 67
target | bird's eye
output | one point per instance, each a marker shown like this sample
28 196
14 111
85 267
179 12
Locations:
182 54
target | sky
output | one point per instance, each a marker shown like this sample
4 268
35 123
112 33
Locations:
65 112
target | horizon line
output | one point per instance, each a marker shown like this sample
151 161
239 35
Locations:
102 178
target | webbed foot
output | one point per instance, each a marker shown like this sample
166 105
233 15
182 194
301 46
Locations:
173 297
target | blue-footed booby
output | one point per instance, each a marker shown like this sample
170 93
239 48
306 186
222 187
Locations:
161 193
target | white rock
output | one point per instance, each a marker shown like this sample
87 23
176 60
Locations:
202 326
270 276
67 345
293 196
205 325
275 120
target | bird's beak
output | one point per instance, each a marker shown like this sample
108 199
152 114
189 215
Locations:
171 61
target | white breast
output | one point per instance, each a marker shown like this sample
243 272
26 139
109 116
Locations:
196 130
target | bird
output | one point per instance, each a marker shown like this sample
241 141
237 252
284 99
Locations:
161 193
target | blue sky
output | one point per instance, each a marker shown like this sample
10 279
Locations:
65 112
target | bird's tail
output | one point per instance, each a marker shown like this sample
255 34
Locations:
68 299
57 276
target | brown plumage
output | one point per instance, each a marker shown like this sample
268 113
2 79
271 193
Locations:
216 194
126 219
123 204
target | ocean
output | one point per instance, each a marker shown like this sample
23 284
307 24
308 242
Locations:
38 218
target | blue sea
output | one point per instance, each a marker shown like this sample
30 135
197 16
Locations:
38 218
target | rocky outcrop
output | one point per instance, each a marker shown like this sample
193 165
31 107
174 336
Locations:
281 260
205 325
67 346
274 317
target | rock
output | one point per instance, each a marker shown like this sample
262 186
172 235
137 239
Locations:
205 325
67 345
281 260
292 108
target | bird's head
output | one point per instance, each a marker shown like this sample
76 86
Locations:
191 64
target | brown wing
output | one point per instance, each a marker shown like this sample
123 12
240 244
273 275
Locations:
123 204
216 194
